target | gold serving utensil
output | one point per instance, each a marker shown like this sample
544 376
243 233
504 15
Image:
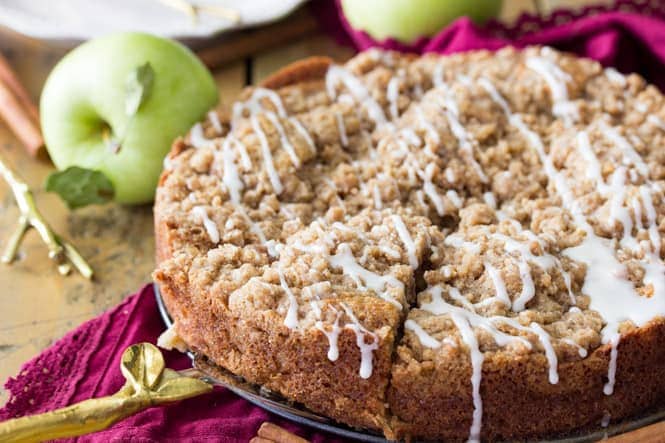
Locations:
62 252
148 383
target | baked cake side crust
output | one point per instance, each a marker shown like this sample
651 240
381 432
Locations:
518 400
258 347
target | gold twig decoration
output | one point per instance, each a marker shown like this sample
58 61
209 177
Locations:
147 384
62 252
193 11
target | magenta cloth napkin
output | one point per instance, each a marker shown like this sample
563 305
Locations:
86 363
629 35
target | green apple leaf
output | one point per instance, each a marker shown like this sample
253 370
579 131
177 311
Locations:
137 87
80 187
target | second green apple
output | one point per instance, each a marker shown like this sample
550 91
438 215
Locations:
406 20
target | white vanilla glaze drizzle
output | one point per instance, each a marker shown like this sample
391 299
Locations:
378 203
490 200
234 185
291 318
300 129
456 295
423 336
454 197
253 105
231 177
197 138
630 156
332 335
358 91
556 80
427 125
245 159
528 288
611 293
545 261
344 259
457 241
615 192
594 251
613 340
625 304
615 77
406 239
283 139
656 121
392 94
364 278
208 224
214 121
450 175
267 156
465 320
477 358
501 293
582 352
510 245
550 354
430 189
465 140
403 139
341 128
439 306
366 349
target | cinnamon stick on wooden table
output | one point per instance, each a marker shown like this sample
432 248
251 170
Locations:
271 433
18 110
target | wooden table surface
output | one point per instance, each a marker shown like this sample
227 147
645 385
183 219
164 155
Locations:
37 305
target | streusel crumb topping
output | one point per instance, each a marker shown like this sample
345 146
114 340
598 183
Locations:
509 202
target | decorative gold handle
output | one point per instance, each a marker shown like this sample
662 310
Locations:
59 250
148 383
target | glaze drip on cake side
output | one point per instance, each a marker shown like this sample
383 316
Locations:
483 216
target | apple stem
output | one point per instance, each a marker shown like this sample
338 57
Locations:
59 250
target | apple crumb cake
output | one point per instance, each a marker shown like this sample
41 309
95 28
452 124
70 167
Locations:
467 246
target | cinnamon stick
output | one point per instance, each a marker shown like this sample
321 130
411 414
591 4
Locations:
8 77
18 110
19 121
272 432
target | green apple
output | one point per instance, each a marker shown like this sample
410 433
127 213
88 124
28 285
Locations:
87 120
406 20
